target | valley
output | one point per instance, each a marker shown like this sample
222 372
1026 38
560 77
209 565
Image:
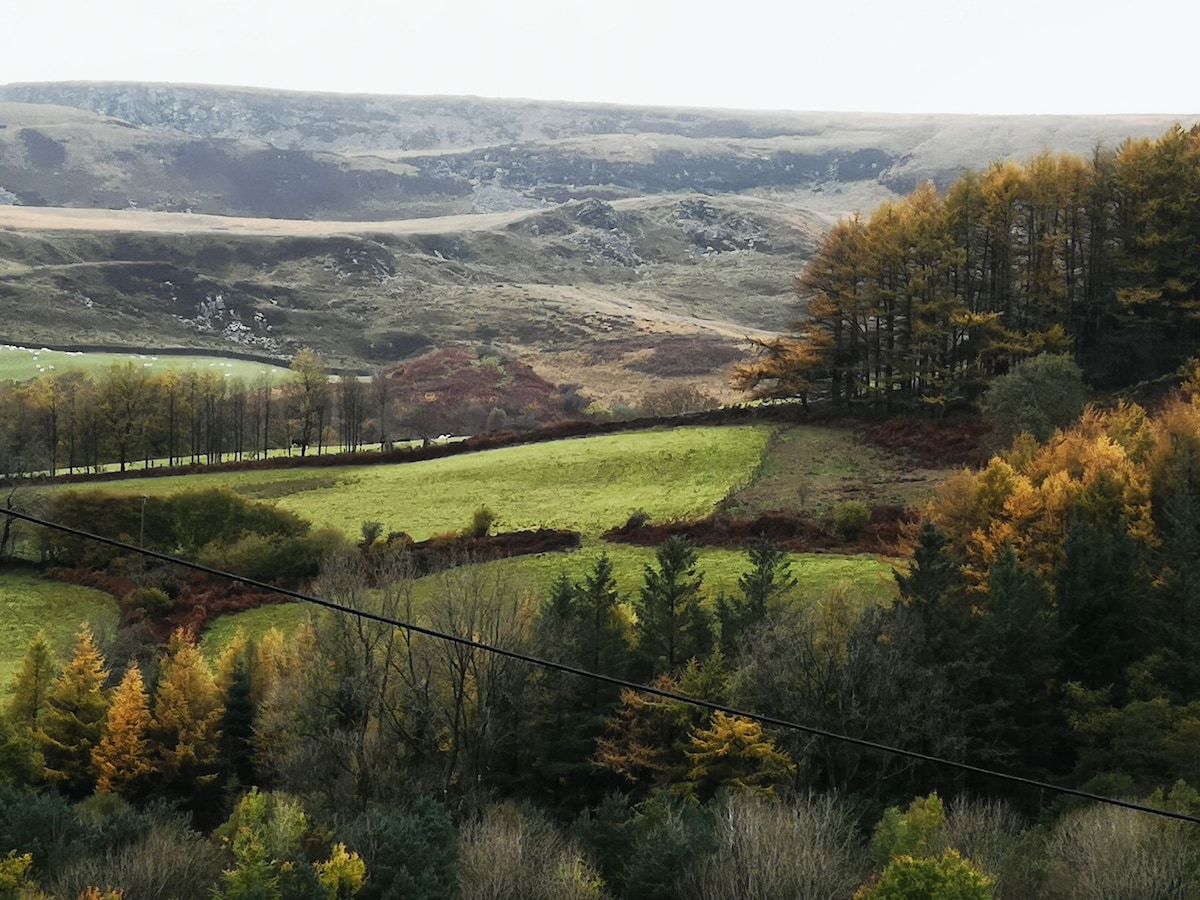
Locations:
568 501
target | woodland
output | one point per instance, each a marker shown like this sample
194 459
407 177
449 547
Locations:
921 302
1046 625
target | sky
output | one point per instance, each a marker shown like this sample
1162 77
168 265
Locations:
925 56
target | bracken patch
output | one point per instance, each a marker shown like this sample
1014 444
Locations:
886 533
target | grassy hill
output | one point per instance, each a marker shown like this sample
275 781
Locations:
29 604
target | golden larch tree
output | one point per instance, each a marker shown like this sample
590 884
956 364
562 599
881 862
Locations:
187 715
122 759
73 722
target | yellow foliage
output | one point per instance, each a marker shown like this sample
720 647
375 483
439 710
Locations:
734 752
122 756
343 874
1173 463
187 711
1100 470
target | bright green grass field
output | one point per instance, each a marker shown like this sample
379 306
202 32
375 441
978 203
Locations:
29 604
23 363
586 484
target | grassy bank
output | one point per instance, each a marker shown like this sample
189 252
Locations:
29 603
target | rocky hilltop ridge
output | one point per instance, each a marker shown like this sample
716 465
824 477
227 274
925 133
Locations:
239 151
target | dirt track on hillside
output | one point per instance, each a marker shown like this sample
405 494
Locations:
53 218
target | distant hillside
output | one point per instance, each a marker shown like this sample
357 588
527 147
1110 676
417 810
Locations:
583 291
259 153
616 248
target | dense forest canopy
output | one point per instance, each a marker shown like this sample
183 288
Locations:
928 297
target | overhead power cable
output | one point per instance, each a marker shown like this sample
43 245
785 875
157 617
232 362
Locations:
606 679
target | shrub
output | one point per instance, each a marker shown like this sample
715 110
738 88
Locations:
515 855
677 400
756 856
597 410
637 519
1036 397
154 602
205 515
274 557
444 539
170 860
481 522
850 518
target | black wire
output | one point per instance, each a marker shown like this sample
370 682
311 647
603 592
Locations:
607 679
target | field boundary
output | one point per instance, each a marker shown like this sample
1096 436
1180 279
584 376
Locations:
277 362
791 414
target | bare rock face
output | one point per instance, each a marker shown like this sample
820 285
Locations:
716 230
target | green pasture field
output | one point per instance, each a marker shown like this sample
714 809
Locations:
868 580
587 484
29 604
24 363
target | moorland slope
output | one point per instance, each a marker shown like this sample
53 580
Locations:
573 237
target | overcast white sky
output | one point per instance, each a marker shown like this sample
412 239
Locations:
1023 56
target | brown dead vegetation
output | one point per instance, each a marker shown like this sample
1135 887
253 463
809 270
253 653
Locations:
887 533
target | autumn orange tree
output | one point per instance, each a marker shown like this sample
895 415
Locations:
187 715
122 757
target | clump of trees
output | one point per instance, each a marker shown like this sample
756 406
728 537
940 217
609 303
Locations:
72 421
214 525
925 299
355 759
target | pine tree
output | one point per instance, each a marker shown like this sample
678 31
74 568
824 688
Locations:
640 741
1098 600
733 752
31 688
931 592
122 759
20 764
672 625
770 575
581 625
74 720
235 682
1015 644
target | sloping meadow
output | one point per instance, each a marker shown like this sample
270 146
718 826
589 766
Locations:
585 484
